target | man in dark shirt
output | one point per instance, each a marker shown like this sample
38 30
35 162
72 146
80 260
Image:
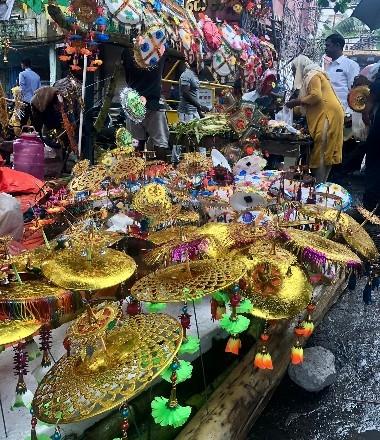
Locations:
147 82
371 198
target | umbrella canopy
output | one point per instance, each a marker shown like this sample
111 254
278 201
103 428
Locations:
368 11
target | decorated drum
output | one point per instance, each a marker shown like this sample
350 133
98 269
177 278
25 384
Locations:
150 47
129 12
223 62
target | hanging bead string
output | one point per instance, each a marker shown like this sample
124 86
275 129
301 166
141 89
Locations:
124 411
45 345
20 359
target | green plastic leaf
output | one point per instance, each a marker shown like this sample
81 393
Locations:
245 306
165 416
155 307
184 372
221 297
234 327
190 345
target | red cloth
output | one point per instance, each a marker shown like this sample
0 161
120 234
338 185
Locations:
17 182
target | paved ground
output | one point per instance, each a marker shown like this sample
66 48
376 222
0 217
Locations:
350 408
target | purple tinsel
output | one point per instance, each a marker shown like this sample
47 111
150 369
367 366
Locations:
314 256
189 250
354 265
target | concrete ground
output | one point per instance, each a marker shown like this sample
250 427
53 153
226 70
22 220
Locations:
350 408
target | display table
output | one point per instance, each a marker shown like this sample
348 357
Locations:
297 149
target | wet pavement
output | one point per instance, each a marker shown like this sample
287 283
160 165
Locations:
350 408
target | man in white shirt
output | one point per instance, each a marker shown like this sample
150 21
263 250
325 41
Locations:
340 69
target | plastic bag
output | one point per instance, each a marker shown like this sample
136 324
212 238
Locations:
11 219
285 115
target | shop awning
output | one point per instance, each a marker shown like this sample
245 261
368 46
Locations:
368 11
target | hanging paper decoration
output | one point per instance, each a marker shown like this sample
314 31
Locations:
150 47
223 62
127 12
183 372
86 14
231 37
133 104
210 32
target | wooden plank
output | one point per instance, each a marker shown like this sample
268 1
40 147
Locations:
235 406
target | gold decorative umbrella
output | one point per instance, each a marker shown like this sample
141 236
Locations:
138 350
89 180
173 233
194 163
276 289
93 323
73 271
270 251
319 250
12 331
353 233
36 300
153 201
187 281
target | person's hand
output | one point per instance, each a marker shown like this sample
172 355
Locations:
293 103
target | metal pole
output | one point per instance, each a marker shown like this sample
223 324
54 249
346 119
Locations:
81 117
2 415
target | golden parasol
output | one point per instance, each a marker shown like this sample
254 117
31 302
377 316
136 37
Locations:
187 281
93 324
353 233
270 251
72 270
138 350
320 250
35 300
12 331
276 289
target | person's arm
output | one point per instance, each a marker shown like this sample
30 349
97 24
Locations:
21 80
185 91
313 97
352 73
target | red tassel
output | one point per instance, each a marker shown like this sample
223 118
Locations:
233 345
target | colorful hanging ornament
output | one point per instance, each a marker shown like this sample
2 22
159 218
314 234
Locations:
167 412
150 47
45 346
124 411
263 359
133 104
297 354
190 344
183 372
234 324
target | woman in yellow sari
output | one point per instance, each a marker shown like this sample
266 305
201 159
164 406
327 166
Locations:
324 115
